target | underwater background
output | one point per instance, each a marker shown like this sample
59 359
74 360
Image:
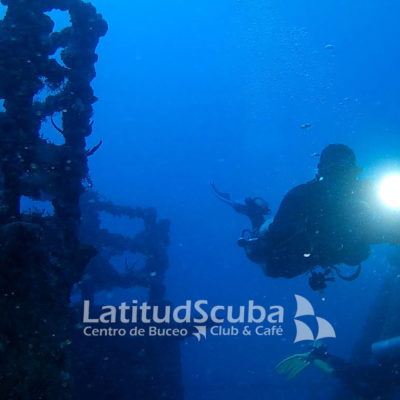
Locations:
198 91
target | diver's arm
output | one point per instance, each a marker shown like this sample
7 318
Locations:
240 207
253 208
225 197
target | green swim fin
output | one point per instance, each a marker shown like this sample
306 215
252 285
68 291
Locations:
294 365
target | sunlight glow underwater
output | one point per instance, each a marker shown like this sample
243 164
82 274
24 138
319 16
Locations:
389 190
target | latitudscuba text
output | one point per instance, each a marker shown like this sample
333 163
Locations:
198 312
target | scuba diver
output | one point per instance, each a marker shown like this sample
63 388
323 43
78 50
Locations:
378 378
326 222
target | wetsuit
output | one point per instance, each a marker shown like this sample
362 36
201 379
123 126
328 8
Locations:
368 381
317 226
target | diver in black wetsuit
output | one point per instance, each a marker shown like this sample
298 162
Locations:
369 381
328 221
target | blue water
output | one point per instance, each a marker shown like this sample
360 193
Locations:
200 90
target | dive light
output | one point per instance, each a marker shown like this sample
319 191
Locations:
389 191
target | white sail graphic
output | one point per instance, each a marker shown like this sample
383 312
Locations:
201 332
304 307
325 329
303 332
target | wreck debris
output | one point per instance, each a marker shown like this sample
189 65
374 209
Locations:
41 256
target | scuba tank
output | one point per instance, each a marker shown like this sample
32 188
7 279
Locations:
386 349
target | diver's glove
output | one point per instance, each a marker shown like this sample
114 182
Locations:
294 365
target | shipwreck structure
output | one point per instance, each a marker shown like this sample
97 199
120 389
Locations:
41 256
44 256
124 367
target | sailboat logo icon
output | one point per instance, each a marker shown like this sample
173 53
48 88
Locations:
303 331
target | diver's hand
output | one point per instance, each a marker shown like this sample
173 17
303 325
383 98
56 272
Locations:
219 194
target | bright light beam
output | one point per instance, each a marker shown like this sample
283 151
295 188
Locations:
389 191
